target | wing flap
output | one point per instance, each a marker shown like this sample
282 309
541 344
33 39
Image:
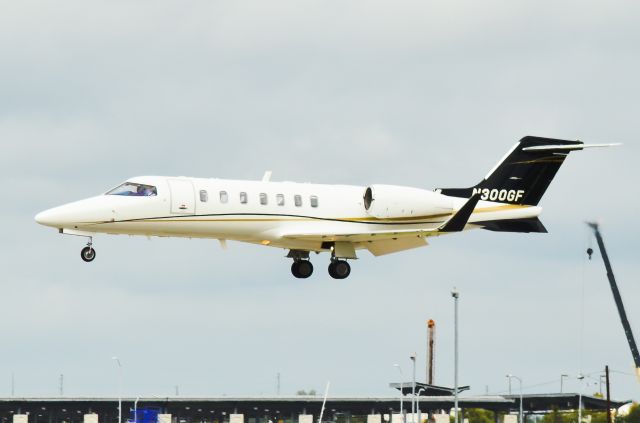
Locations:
381 248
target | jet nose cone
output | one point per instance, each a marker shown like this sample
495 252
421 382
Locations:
46 218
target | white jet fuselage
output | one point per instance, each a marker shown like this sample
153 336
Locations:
297 216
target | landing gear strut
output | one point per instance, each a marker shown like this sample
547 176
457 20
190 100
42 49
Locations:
88 253
339 269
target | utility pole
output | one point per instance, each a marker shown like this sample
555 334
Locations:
13 385
413 389
431 329
402 416
61 384
278 384
117 360
521 413
455 294
580 378
606 371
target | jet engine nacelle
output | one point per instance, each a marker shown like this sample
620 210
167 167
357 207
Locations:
389 201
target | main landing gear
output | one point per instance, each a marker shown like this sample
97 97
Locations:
302 268
339 269
88 253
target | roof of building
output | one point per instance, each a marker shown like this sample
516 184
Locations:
293 405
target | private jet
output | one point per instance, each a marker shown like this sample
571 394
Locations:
305 217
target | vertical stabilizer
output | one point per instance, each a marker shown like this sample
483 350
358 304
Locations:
524 173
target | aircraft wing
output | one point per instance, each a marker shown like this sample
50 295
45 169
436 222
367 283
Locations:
378 243
381 242
363 236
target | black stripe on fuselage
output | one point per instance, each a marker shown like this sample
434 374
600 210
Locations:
276 215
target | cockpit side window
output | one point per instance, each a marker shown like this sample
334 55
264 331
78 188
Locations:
134 190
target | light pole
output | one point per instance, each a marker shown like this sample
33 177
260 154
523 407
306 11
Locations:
520 382
401 390
135 410
455 294
561 380
580 378
117 360
600 383
413 389
418 405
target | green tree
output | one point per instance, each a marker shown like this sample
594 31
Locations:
478 415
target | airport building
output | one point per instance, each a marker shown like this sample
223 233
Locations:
295 409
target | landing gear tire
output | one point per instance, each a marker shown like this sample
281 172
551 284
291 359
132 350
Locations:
339 269
88 254
302 269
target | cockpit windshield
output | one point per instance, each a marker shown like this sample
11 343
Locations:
135 190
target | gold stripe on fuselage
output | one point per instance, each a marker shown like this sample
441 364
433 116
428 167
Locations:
416 219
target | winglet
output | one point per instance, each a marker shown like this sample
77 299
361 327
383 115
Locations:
267 176
460 219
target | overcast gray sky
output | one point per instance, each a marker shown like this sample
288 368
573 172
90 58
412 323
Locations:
420 93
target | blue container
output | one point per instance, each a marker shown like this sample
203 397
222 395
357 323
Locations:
145 415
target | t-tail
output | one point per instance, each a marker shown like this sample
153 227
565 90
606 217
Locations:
521 178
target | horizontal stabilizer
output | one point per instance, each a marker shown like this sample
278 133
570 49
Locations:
514 225
566 147
460 219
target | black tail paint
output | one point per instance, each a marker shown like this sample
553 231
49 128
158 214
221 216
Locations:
523 176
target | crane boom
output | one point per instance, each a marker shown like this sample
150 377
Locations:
618 299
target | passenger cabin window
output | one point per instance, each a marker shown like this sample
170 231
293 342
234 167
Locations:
280 200
224 197
297 200
243 198
314 201
134 190
263 198
204 196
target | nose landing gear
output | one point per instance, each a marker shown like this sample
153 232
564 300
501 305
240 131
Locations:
88 253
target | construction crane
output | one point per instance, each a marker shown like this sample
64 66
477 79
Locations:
616 296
